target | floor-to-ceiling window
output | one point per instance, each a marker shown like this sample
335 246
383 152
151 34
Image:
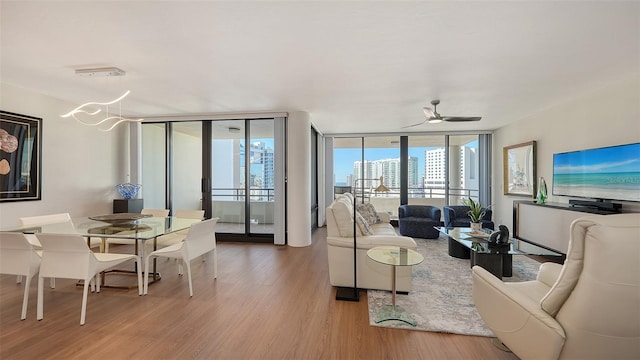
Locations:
427 170
464 175
448 168
361 164
439 169
382 166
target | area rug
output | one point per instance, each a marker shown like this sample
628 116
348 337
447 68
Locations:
441 298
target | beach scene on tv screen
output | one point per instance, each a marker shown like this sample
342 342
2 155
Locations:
604 173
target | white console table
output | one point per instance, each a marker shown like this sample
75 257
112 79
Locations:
548 224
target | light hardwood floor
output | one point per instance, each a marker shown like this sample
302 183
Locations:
269 302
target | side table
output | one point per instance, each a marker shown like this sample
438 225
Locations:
394 256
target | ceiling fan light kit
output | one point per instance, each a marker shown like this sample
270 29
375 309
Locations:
433 117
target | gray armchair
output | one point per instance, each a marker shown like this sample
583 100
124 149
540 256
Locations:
419 221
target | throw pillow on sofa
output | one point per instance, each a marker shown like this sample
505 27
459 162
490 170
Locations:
369 213
365 228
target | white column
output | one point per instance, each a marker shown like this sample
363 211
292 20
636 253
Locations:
279 230
298 179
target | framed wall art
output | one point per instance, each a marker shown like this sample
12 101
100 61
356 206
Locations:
520 169
20 157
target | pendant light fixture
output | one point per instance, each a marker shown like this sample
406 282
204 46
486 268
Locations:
91 111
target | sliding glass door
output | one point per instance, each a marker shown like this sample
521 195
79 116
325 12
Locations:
186 160
232 169
228 175
261 173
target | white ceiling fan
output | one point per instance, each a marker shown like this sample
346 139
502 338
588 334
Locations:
433 117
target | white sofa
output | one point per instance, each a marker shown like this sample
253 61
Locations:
371 275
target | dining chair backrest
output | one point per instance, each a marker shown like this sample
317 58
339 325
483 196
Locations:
201 238
65 256
163 213
190 214
45 219
17 256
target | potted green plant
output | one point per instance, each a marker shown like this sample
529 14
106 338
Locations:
476 213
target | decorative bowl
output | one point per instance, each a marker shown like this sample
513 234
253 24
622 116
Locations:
119 218
128 190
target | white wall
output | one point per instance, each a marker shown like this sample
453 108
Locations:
608 117
80 165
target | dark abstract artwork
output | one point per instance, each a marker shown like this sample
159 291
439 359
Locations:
20 157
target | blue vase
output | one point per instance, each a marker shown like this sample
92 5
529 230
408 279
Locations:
128 190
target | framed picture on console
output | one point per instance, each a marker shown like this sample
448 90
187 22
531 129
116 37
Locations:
20 157
519 163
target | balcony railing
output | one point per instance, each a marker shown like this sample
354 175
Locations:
238 194
414 192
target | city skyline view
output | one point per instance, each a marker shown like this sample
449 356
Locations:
345 159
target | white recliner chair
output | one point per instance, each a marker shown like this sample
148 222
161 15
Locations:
588 308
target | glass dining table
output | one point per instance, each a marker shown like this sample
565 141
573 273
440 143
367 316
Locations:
117 226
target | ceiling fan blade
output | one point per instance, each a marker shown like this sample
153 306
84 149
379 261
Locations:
461 118
428 112
418 124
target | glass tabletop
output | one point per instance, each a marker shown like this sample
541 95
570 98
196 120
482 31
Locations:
395 255
479 243
140 229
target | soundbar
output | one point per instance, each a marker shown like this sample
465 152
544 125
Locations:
600 205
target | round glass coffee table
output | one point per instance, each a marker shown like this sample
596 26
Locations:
394 256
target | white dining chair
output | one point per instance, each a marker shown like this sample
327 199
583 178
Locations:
67 256
64 219
42 220
163 213
18 257
200 240
178 236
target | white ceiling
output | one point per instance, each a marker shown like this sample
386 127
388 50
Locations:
354 66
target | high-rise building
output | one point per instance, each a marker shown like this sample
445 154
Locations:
389 169
262 170
435 168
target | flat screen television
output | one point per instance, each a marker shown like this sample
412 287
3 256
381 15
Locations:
607 173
